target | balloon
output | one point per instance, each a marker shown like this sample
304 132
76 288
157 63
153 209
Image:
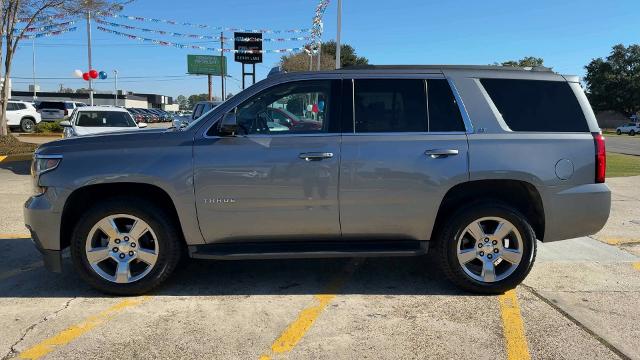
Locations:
85 76
102 75
93 74
78 73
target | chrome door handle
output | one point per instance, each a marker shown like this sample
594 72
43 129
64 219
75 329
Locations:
439 153
315 156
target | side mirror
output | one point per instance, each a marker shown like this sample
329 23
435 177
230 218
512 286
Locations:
142 125
229 124
65 123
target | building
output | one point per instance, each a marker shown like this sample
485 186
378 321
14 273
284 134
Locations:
126 99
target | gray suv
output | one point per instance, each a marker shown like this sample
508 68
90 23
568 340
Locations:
473 164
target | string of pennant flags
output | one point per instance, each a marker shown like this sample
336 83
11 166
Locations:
196 36
48 34
202 26
196 47
46 27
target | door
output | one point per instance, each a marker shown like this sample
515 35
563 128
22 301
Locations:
13 114
407 148
270 181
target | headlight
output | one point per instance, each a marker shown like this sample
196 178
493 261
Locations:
43 163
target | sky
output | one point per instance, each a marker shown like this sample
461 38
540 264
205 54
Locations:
567 34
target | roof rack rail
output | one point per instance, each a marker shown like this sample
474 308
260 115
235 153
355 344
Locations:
276 70
441 67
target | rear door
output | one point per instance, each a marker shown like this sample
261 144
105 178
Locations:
13 114
263 184
407 146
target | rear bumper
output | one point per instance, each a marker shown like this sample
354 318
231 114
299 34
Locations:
44 224
577 211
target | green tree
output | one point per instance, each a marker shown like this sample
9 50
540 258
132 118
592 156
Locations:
529 61
195 98
613 83
183 102
300 61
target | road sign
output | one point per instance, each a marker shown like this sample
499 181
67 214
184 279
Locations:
206 65
248 41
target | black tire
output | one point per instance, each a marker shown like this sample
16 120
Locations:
168 237
446 247
632 133
618 132
27 125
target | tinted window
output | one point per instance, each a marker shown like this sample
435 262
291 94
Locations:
197 111
11 106
104 119
52 105
21 106
383 105
533 105
305 104
444 113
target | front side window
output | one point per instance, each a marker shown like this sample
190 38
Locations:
104 119
296 107
198 111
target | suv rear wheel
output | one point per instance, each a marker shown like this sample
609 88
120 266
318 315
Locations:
125 246
27 125
632 133
487 248
618 132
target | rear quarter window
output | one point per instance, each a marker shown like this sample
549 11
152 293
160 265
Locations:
535 105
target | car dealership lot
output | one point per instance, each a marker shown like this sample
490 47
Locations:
580 301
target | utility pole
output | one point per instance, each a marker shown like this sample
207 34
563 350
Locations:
210 87
89 55
339 27
319 54
115 87
222 66
33 67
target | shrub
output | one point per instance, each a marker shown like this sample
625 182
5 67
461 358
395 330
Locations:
49 127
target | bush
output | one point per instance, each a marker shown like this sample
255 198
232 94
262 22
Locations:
49 127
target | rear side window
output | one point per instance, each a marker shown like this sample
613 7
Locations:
383 105
52 105
444 113
11 106
21 106
534 105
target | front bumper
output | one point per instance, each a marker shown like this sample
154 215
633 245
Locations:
43 222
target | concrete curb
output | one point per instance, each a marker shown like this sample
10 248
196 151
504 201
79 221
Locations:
15 157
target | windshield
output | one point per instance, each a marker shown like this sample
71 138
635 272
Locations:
105 119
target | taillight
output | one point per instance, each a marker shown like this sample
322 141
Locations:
601 158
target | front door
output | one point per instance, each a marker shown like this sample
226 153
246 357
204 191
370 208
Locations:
271 180
407 148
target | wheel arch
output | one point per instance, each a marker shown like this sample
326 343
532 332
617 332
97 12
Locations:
81 199
523 195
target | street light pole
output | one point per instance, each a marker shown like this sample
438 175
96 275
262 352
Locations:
89 56
115 87
339 28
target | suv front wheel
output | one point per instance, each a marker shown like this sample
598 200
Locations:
125 246
487 248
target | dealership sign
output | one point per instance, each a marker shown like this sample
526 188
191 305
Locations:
207 65
248 47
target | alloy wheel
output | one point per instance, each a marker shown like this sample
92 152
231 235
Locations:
489 249
122 248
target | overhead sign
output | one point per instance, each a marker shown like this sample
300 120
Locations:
206 65
245 41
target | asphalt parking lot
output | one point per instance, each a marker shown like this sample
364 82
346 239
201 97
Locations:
580 301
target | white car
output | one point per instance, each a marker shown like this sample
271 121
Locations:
631 128
89 120
22 114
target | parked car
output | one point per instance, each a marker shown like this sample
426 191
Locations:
163 115
22 115
151 116
500 158
291 121
202 107
631 128
91 120
57 110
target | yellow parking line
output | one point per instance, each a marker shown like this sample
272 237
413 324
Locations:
2 157
636 266
290 337
14 236
12 273
73 332
513 327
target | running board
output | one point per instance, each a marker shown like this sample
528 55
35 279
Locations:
308 250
